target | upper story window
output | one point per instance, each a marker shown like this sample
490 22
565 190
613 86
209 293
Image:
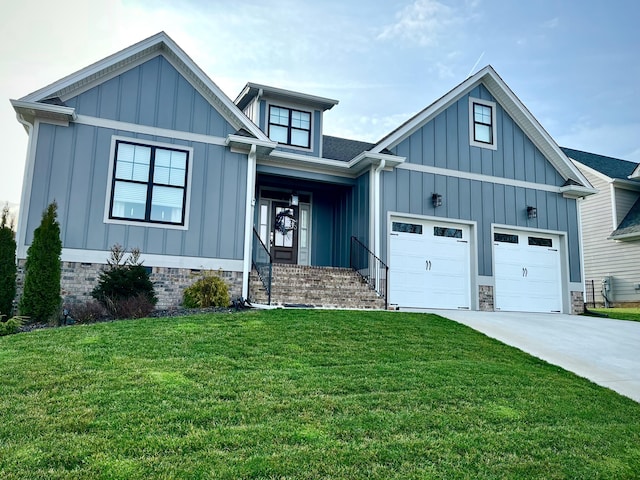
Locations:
289 126
482 123
149 183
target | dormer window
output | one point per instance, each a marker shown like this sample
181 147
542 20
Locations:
482 123
289 126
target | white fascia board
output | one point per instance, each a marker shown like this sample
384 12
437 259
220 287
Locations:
626 184
245 143
366 159
98 67
592 171
325 165
32 110
577 191
635 173
510 102
534 130
305 98
625 237
159 43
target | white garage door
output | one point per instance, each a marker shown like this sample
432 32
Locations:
429 265
527 272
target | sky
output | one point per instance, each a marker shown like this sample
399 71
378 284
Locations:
574 64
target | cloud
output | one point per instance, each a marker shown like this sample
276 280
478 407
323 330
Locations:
551 23
424 22
613 140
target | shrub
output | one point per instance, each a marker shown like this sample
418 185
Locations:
209 291
11 326
41 297
88 312
7 263
138 306
122 287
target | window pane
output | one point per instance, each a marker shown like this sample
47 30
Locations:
483 133
505 238
540 242
482 113
129 200
406 227
124 170
278 134
166 204
142 155
163 157
140 172
179 160
279 116
447 232
161 175
300 120
126 152
300 138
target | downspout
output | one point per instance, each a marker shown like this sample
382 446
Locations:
376 215
21 227
248 220
376 208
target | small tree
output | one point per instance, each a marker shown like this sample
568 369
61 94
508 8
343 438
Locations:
41 297
125 288
7 263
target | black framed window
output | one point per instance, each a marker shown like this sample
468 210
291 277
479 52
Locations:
149 183
540 242
289 126
505 238
447 232
482 123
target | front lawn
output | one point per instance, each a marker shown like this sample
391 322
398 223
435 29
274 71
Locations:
299 394
620 313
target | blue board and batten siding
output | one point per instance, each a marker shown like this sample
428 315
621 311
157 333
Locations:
444 142
72 165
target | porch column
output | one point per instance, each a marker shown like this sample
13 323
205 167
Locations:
248 220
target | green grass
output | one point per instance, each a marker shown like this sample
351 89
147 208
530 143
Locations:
295 394
620 313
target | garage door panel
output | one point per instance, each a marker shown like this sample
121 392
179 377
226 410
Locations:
430 269
527 273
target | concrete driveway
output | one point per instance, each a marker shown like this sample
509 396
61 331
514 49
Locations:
605 351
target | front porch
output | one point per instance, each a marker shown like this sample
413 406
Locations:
305 232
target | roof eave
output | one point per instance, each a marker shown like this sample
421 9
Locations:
577 191
32 110
625 236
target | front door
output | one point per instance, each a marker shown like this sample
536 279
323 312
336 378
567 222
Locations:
285 233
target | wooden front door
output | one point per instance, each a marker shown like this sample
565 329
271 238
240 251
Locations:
284 227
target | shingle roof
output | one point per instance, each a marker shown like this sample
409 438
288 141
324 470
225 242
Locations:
343 149
630 223
611 167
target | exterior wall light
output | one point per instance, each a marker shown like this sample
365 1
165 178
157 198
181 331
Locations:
294 200
436 200
532 212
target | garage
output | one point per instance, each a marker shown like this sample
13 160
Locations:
527 271
429 264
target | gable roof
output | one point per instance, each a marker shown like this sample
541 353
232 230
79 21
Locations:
613 168
510 103
113 65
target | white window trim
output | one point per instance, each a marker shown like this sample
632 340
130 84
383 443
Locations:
112 163
494 144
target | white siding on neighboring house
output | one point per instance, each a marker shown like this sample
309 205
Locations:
604 257
624 201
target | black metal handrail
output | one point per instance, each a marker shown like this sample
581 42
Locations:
372 270
261 261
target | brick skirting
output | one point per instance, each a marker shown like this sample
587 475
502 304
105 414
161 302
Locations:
77 280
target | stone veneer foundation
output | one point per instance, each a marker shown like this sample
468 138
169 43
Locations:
486 298
577 303
79 279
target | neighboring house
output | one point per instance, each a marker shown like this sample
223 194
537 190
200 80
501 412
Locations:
470 203
610 228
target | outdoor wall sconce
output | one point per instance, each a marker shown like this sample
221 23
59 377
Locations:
294 200
532 212
436 200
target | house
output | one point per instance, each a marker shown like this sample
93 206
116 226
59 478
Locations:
470 204
610 223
